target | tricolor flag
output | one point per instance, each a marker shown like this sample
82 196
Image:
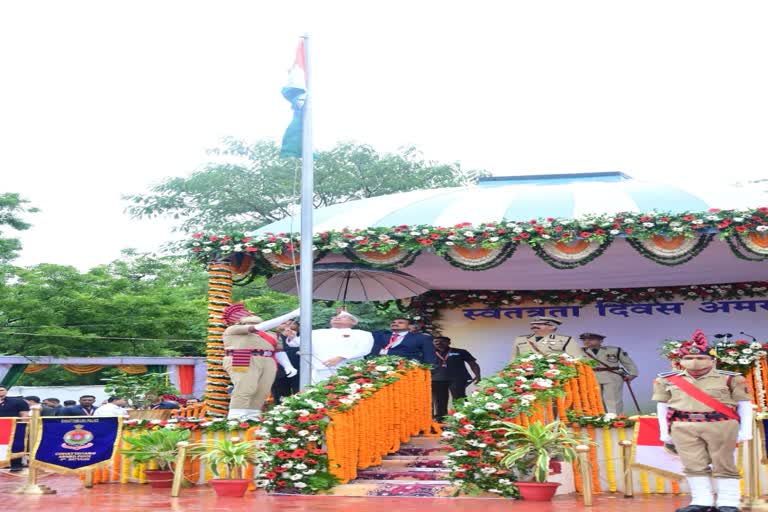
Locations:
648 451
7 430
295 91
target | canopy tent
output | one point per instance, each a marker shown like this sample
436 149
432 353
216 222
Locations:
566 239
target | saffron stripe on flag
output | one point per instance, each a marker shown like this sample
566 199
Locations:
295 91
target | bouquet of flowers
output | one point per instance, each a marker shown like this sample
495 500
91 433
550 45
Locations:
739 355
609 420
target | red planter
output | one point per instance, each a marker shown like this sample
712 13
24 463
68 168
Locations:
537 491
230 488
159 479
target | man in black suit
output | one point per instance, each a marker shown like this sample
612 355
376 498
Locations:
44 409
11 407
84 408
401 341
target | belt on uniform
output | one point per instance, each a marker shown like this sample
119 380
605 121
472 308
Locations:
250 351
690 416
613 369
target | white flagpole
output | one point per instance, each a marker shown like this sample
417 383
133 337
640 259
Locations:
306 264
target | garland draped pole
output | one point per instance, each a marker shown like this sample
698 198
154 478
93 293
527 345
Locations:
219 297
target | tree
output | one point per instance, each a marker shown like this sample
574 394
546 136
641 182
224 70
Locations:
250 185
12 207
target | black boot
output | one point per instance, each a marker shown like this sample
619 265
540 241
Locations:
728 509
699 508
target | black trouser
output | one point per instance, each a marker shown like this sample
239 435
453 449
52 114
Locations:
16 463
283 387
440 389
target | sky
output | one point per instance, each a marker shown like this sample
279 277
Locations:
101 99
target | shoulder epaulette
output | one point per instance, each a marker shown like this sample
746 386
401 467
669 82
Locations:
729 373
668 374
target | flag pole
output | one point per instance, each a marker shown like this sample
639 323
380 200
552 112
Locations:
306 263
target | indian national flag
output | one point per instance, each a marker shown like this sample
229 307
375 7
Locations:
649 452
7 428
295 91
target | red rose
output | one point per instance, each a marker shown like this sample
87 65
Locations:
310 461
197 235
280 469
213 238
270 475
460 475
585 234
741 229
525 235
281 483
318 451
251 249
298 453
713 210
474 453
275 440
618 424
244 425
196 249
283 455
464 432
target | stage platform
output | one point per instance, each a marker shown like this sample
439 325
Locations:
114 497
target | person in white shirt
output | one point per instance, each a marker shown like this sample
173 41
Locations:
115 406
336 346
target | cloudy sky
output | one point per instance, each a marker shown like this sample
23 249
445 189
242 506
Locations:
100 99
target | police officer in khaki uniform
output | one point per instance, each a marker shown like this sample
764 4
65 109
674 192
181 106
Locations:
705 412
613 368
543 340
250 358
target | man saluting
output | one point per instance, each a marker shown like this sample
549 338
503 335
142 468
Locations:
543 340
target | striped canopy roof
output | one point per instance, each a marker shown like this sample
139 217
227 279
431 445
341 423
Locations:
521 198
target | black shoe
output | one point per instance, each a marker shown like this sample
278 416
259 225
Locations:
17 470
699 508
727 509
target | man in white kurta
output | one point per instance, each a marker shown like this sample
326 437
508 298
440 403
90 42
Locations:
334 347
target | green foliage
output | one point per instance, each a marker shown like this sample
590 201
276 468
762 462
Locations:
249 185
115 309
12 207
534 446
157 445
139 389
234 455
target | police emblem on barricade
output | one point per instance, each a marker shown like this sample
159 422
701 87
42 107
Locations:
77 439
75 444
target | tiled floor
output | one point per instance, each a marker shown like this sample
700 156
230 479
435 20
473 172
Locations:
72 497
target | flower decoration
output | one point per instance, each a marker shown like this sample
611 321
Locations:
476 446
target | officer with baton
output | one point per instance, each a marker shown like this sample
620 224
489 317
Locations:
614 367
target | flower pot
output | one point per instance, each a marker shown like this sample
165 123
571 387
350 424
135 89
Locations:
230 488
537 491
159 479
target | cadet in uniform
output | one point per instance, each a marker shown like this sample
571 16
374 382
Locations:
543 340
614 367
704 412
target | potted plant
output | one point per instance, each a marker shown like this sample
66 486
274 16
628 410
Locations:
234 455
158 446
532 448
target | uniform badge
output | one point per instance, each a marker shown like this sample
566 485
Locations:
77 439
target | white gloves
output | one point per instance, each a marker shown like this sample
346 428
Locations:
744 409
282 358
661 412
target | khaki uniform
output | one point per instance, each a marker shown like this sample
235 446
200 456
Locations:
610 375
701 444
252 385
549 344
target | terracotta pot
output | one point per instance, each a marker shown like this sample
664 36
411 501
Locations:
230 488
537 491
159 479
